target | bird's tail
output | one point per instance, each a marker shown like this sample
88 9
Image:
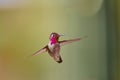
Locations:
60 60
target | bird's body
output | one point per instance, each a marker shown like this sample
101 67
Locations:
54 45
54 50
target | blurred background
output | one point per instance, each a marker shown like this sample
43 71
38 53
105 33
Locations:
25 26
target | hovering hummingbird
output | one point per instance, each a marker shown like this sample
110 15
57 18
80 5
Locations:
54 45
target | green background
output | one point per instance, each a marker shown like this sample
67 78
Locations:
25 28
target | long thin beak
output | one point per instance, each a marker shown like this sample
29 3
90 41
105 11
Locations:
61 34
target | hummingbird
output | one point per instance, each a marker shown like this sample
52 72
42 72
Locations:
54 46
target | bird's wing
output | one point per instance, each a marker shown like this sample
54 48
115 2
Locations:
44 49
70 41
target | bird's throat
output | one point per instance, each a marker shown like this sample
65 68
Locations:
53 41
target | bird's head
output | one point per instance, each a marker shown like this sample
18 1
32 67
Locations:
54 36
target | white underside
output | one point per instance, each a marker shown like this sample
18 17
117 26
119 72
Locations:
52 46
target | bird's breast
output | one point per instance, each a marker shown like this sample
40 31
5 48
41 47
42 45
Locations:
53 46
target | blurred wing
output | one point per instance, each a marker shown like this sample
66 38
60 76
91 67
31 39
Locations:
70 41
41 51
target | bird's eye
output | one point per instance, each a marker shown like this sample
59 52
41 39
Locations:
52 35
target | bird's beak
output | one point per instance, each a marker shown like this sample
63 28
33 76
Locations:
61 35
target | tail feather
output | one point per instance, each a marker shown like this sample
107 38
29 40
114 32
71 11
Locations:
60 60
